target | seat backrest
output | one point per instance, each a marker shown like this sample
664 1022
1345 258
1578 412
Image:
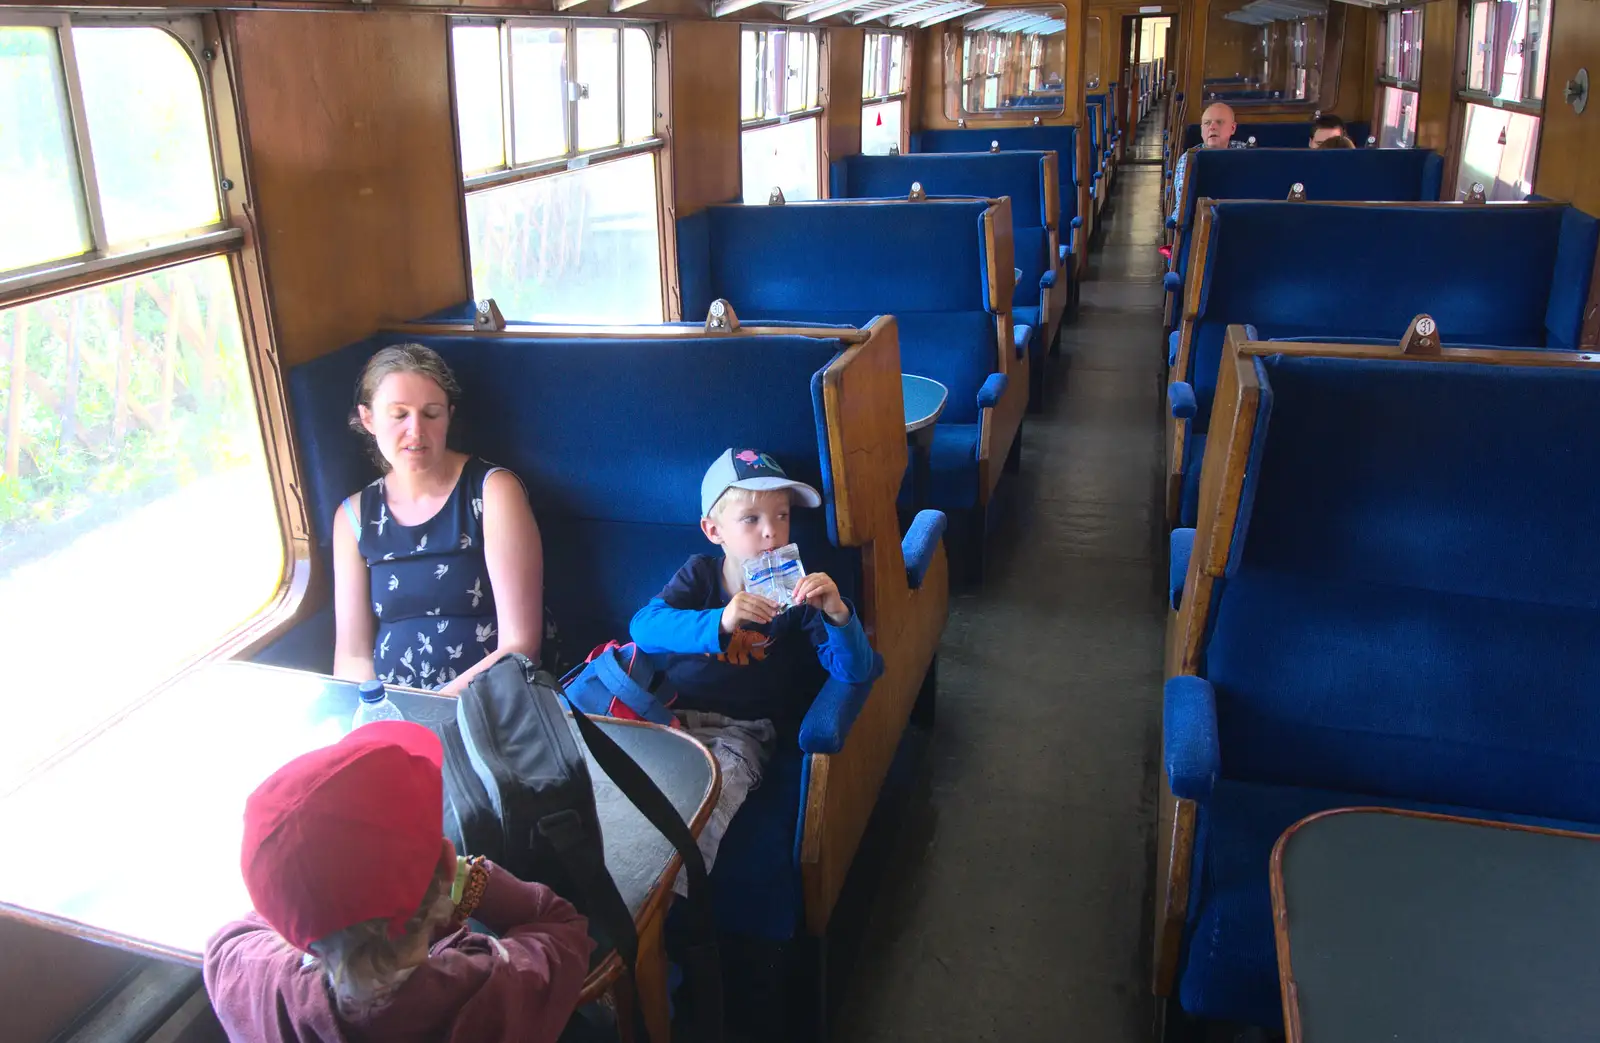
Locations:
1411 607
1279 135
1303 269
1094 109
1361 175
1063 141
611 438
1025 176
849 261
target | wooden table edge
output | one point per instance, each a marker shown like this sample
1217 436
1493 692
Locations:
1287 988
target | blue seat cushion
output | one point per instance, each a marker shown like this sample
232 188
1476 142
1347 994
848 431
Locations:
755 878
952 469
1230 964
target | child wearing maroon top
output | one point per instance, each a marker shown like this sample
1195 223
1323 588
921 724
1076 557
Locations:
360 903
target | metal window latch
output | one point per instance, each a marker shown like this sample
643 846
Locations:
578 91
1578 91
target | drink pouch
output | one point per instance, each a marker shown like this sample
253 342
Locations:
775 574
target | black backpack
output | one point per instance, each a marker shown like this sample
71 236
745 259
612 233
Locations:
518 791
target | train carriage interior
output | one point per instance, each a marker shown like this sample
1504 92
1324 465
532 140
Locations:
1196 397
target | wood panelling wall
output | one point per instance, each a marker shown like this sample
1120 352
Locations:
703 103
843 56
356 183
1569 146
1436 100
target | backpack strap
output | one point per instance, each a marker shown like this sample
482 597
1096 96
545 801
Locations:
703 966
619 681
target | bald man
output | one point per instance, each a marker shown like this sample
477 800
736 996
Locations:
1216 131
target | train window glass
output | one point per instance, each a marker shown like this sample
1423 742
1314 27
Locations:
778 72
38 162
1498 151
134 467
883 87
538 92
1402 58
880 128
478 97
783 155
599 76
883 72
1398 118
638 84
132 459
576 246
568 231
779 114
152 143
535 92
1507 45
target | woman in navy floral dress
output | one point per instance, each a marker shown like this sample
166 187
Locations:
438 568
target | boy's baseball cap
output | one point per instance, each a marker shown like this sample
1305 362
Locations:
348 833
749 469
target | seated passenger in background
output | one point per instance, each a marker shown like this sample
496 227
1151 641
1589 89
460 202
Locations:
1217 126
1326 127
358 933
437 566
1337 141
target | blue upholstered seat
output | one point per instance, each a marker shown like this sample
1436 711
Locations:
1063 141
846 263
611 438
1018 175
1364 175
1415 627
1532 297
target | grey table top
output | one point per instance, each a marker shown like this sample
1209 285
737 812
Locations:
923 399
1406 928
133 838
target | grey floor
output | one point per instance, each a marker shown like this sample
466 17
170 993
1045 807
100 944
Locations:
1017 903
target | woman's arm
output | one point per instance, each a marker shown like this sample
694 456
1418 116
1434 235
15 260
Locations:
514 554
354 626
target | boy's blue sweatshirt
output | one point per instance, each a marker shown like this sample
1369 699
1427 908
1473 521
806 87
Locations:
772 671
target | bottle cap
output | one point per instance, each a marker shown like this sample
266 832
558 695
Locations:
372 691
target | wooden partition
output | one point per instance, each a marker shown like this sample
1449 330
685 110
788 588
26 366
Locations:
842 54
350 137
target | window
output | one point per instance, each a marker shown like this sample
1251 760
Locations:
883 91
139 524
557 138
1498 151
778 75
1399 79
1503 98
1507 43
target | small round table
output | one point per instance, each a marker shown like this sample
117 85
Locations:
923 399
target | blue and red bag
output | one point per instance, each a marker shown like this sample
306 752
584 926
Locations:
618 680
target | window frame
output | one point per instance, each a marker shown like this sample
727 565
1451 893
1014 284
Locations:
1466 96
231 238
1385 27
1469 95
765 53
876 99
574 158
101 256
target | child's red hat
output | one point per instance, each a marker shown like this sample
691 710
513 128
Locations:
346 834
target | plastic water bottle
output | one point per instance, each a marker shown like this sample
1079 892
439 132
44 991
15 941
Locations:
375 705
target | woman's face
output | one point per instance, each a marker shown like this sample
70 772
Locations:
409 417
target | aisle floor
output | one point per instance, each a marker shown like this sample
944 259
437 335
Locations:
1017 903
